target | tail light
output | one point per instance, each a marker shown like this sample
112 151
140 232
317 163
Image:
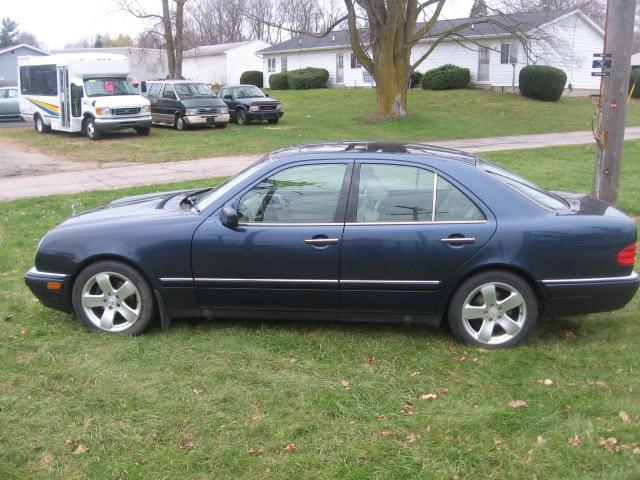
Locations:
627 256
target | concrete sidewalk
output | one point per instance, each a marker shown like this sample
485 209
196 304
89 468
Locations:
107 176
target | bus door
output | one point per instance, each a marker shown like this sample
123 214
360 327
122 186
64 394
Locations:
65 98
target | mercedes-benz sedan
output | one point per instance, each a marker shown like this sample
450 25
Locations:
353 231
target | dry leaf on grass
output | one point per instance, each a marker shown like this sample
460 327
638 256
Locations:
187 445
385 432
444 390
540 440
407 409
575 441
290 447
610 445
547 381
518 404
569 334
256 417
382 417
415 374
597 383
345 383
636 451
527 458
80 449
371 360
256 450
67 441
428 396
412 438
624 416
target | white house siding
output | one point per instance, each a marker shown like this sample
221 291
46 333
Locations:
210 69
242 59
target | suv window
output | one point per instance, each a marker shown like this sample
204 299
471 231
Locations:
154 90
168 92
452 205
394 193
303 194
224 91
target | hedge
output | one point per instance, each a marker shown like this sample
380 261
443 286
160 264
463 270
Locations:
252 77
542 82
278 81
415 78
307 78
446 77
635 78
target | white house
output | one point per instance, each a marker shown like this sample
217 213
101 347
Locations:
144 63
635 60
565 39
223 63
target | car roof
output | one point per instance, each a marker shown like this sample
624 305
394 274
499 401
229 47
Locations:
367 146
239 85
174 81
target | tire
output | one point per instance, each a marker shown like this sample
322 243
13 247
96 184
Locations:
91 130
221 125
40 126
144 131
179 124
241 117
273 121
129 313
490 322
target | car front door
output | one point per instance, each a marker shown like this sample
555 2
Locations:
168 105
396 251
4 102
226 94
285 252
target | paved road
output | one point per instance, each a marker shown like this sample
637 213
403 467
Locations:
72 177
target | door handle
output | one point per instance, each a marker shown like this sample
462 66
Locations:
451 240
321 241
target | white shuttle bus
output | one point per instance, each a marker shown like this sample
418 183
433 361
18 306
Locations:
86 92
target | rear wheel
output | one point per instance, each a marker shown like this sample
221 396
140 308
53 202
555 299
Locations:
180 124
241 117
144 131
92 131
493 309
112 297
40 126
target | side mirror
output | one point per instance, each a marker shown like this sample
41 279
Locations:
143 86
228 97
266 94
229 216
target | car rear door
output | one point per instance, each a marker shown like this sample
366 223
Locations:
396 251
285 252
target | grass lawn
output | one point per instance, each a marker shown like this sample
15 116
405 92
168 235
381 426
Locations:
222 399
333 114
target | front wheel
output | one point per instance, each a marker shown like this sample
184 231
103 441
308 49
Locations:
144 131
241 117
92 131
180 124
493 309
112 297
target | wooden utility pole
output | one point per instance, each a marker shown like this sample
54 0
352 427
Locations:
612 107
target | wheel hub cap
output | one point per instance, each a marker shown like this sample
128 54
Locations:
111 301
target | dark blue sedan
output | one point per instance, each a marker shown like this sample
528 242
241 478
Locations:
353 231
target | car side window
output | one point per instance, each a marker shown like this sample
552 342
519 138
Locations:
302 194
394 193
224 91
452 205
12 93
168 92
154 90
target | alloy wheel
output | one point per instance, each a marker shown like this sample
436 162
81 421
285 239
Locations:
494 313
111 301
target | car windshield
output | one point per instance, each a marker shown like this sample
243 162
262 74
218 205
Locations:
223 188
108 87
247 91
193 90
528 189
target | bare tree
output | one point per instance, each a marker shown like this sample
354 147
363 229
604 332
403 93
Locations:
169 24
594 9
209 22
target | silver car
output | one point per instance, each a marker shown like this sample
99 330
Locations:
9 107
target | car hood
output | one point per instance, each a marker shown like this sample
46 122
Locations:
201 102
259 101
148 205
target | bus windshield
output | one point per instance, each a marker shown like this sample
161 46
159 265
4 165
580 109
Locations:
108 87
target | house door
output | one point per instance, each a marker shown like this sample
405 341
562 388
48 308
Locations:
340 68
483 64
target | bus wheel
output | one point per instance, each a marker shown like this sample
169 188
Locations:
40 126
92 132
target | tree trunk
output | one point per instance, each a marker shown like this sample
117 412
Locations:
168 38
391 71
179 36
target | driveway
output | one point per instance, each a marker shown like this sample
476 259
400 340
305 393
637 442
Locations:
24 175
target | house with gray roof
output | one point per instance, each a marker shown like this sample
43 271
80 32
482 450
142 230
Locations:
493 54
9 62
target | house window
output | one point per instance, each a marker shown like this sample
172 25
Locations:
283 64
354 61
366 77
271 65
509 53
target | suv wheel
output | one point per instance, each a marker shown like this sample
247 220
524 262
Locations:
241 117
180 124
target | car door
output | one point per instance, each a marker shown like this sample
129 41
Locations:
168 104
153 94
4 102
397 252
226 94
285 252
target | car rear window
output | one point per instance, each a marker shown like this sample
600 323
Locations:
529 189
